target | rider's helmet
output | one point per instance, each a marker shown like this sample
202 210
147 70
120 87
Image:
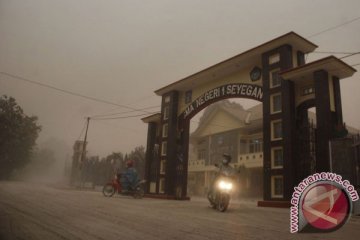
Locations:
130 163
227 159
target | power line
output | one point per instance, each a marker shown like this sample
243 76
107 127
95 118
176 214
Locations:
112 114
71 92
330 52
349 54
121 127
334 27
352 54
123 117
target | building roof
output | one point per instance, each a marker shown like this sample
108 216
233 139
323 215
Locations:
152 118
232 108
239 62
331 64
255 112
248 119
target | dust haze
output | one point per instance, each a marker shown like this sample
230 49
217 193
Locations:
50 164
121 51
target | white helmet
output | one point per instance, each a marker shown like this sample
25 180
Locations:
226 159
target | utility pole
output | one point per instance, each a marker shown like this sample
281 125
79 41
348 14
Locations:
84 144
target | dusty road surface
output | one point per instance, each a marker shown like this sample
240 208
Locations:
42 212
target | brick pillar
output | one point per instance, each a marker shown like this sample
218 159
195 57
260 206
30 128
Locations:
170 108
149 157
324 121
184 144
287 118
337 99
289 126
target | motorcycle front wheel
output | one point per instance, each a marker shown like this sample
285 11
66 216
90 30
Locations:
223 202
108 190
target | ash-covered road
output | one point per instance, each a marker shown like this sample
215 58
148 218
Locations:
30 211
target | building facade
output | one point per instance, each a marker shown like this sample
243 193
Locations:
226 127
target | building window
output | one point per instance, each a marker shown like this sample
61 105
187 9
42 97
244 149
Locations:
188 96
163 148
167 99
166 112
277 157
276 103
165 130
156 149
308 90
162 185
256 145
243 149
201 154
275 80
162 166
277 186
275 58
276 130
220 140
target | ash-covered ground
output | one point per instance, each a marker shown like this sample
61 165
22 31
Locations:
31 211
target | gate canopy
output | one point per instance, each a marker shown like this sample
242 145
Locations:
238 62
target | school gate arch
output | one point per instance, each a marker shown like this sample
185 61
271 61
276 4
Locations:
274 73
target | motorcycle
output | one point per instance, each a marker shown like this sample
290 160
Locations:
115 186
219 196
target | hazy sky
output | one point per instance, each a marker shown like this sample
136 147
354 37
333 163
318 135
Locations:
121 51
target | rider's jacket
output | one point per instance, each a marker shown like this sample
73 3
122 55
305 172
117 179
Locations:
129 177
225 170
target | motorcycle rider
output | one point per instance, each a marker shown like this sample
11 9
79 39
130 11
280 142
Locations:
225 163
129 177
224 166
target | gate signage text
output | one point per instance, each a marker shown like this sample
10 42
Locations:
226 91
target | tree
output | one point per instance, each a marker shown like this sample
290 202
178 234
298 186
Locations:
18 134
115 157
138 156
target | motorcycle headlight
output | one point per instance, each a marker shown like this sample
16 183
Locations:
225 185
